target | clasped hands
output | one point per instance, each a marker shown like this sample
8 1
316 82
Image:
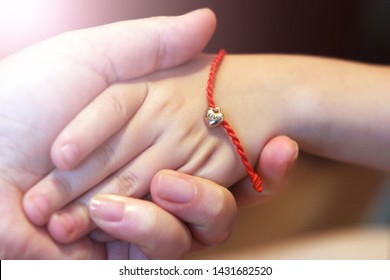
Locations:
81 144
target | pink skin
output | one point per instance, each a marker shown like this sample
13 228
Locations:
55 79
45 86
72 222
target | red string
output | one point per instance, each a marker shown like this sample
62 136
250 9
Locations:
255 179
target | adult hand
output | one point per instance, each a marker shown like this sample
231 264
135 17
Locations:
43 87
187 212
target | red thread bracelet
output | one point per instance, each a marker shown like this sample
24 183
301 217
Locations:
214 117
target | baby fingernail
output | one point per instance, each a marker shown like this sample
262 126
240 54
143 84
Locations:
69 153
293 160
175 188
39 209
106 209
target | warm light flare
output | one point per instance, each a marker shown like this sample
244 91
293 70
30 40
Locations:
23 22
24 15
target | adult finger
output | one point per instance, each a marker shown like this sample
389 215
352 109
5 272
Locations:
117 249
158 234
19 239
139 47
121 250
206 207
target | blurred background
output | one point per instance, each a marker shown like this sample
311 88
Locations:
356 29
324 197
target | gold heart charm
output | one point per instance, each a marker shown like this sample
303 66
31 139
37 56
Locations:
213 117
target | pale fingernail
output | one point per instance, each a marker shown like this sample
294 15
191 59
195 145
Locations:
41 208
106 209
175 188
69 153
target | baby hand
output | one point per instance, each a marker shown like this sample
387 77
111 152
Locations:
116 145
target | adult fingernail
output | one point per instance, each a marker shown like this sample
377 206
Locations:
175 187
106 209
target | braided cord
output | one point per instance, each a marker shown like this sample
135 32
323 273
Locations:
254 177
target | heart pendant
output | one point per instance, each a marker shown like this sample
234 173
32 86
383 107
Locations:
213 117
